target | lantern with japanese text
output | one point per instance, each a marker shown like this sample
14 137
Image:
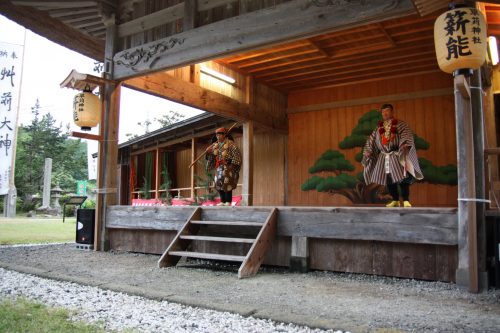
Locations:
86 110
460 40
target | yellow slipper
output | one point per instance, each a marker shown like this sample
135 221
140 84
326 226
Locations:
393 203
406 204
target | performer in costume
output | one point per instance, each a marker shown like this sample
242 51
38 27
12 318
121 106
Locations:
225 157
390 157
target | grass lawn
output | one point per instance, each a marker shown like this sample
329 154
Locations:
27 316
23 230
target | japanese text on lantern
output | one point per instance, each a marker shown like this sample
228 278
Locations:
458 23
10 66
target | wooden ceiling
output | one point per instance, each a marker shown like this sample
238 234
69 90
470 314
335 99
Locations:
393 48
85 16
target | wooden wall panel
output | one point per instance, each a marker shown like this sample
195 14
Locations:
312 133
269 169
235 91
143 241
419 261
182 173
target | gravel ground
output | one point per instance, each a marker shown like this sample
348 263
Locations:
119 311
348 302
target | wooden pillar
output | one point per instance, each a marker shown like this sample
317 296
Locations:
108 147
194 74
247 190
479 168
158 174
245 6
193 169
190 11
299 258
466 274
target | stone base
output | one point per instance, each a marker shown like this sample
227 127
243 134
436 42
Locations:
49 211
299 264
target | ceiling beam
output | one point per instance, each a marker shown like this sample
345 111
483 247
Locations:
336 69
187 93
58 32
361 77
58 13
54 4
284 22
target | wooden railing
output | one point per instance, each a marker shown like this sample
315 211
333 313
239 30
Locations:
177 191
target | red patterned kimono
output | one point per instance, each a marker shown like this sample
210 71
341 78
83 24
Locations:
387 155
226 159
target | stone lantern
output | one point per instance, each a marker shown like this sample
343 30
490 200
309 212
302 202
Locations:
56 194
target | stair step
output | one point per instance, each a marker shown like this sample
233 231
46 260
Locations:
200 255
231 223
218 239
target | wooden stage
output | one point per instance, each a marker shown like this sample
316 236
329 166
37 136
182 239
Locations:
416 243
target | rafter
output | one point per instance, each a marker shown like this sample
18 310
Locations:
54 30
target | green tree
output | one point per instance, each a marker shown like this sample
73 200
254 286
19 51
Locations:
44 139
171 117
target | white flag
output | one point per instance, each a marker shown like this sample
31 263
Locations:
11 61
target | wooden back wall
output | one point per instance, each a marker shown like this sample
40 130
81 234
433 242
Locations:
313 132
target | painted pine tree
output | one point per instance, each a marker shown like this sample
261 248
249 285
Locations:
338 170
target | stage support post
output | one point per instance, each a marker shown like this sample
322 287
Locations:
466 274
299 258
247 190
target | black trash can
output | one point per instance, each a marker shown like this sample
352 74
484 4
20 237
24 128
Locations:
85 223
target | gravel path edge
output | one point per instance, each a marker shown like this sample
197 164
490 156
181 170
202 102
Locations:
243 310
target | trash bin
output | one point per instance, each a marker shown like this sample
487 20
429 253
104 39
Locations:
85 223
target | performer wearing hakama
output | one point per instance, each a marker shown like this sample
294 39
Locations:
225 157
390 157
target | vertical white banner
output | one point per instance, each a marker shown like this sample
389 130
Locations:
11 61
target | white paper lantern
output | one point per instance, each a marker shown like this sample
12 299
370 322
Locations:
86 110
460 39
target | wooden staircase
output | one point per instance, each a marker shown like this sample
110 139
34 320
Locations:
257 231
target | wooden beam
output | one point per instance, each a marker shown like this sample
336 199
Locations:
190 11
371 100
108 147
299 257
53 29
141 24
63 13
247 147
397 58
479 171
157 173
359 60
362 75
187 93
417 226
87 136
262 244
284 22
193 169
54 4
374 78
351 69
467 251
318 48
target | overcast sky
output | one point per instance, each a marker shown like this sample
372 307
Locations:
47 64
